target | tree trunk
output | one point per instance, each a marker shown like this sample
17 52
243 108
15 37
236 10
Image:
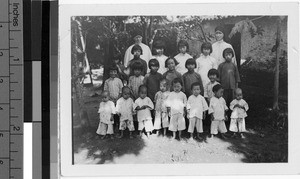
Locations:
276 78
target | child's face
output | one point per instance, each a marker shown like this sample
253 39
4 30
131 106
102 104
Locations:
160 51
126 94
177 87
228 57
212 78
206 51
137 53
143 93
163 86
105 97
190 67
171 64
219 35
219 93
154 68
196 90
238 95
182 49
137 72
113 73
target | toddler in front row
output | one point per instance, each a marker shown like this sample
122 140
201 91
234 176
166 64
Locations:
239 107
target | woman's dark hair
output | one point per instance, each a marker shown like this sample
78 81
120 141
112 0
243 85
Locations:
206 45
183 43
213 72
190 61
153 62
135 48
166 62
226 51
177 80
216 88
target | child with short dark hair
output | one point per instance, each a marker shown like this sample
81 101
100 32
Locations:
121 69
137 51
124 109
196 107
176 107
158 53
213 75
113 85
229 75
136 80
106 112
239 107
191 77
172 73
217 109
206 62
152 78
143 105
161 115
183 48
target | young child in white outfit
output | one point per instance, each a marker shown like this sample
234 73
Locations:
106 112
124 109
213 75
196 107
176 107
143 105
239 107
161 115
217 109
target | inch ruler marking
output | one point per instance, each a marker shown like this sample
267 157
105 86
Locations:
11 89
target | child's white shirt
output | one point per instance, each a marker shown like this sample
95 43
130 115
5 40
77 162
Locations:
208 92
204 64
177 102
196 106
238 112
181 59
144 114
106 109
125 108
217 107
161 60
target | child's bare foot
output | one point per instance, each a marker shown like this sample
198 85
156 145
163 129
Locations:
199 137
103 137
223 136
242 136
165 131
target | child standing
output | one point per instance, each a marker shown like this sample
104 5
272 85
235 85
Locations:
191 77
213 75
137 51
239 107
136 80
161 115
205 62
217 109
183 48
106 112
124 109
113 85
143 105
172 73
176 107
229 75
152 78
158 51
196 107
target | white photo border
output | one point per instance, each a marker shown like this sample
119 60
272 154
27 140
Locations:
66 11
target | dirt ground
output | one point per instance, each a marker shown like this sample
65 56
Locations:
262 143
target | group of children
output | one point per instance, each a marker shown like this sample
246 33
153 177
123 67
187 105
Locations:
165 101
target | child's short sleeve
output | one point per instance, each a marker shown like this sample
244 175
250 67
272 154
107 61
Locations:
188 104
118 105
205 90
224 103
232 104
150 103
245 104
184 99
120 85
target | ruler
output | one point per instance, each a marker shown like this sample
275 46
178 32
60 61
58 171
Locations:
11 89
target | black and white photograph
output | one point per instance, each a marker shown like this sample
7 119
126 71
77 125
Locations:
177 88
